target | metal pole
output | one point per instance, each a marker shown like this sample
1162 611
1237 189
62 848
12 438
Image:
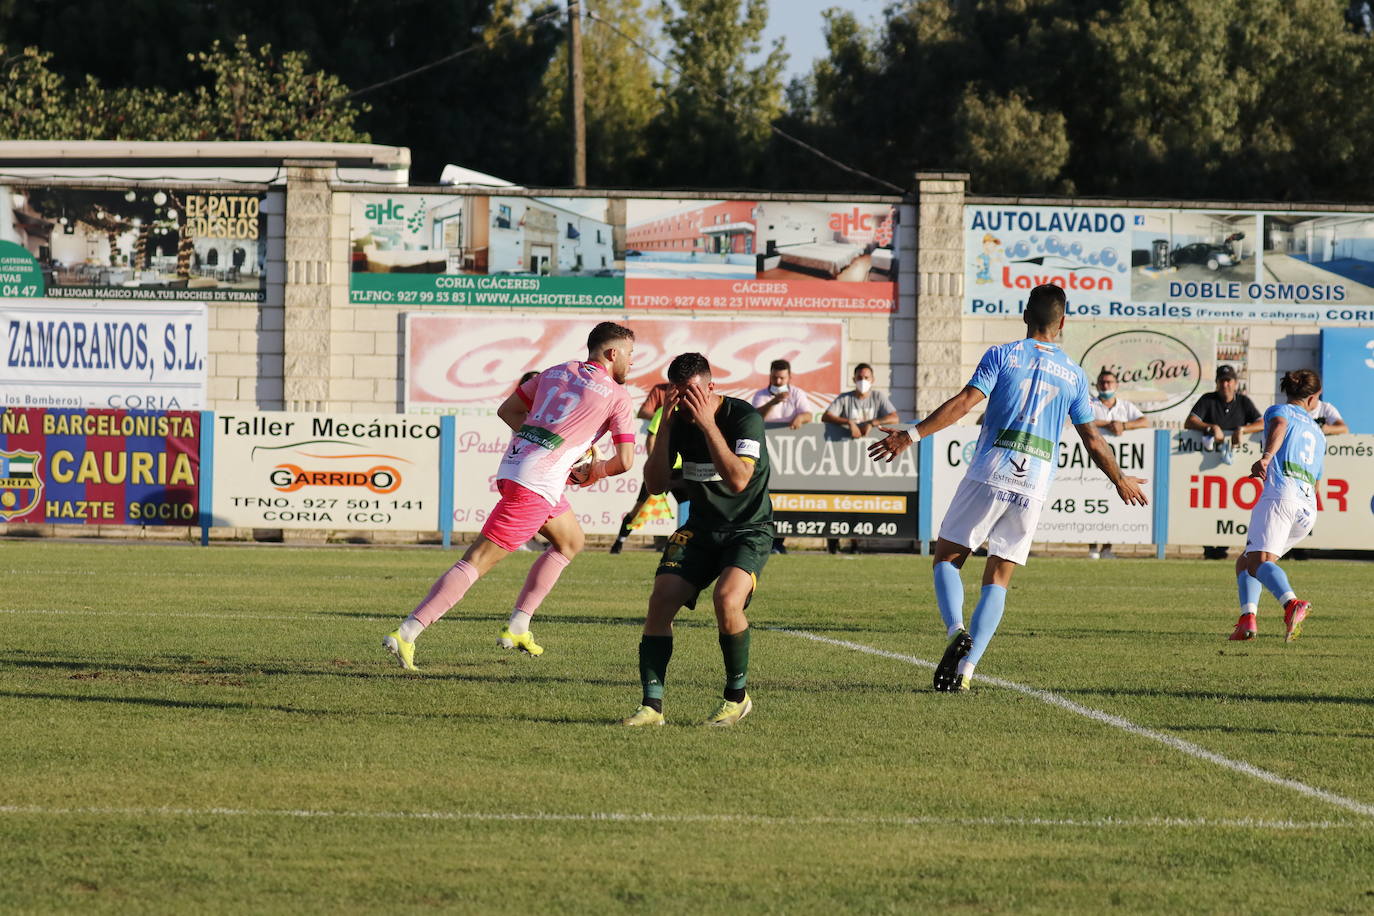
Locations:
575 97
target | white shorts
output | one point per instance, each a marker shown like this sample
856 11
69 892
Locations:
1277 525
1004 518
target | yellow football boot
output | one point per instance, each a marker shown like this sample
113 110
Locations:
404 651
729 712
644 715
524 642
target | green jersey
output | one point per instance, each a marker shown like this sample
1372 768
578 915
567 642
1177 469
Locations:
714 505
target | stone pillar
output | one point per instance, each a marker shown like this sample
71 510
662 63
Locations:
939 287
305 370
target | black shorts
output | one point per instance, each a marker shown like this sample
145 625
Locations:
700 556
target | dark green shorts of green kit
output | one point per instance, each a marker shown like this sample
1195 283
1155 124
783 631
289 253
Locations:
701 556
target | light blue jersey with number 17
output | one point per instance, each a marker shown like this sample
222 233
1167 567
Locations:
1031 386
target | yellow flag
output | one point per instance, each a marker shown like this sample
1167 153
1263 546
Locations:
655 507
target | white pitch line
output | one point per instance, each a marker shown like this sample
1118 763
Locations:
618 817
1106 718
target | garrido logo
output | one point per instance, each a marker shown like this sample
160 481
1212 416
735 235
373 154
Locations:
1154 370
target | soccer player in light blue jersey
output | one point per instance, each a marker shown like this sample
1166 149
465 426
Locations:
1290 466
1031 386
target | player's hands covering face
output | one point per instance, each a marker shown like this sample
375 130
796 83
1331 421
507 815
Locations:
698 404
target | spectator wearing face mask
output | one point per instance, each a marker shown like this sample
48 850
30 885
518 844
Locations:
855 414
781 404
1112 416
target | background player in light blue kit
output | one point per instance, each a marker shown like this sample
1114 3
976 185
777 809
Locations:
1290 466
1031 386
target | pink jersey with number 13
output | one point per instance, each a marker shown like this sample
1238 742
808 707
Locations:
571 406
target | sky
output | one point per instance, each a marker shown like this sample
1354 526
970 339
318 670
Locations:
799 22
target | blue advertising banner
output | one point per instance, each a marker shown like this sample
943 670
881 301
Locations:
1125 264
1348 374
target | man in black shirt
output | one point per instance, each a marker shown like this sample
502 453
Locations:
1221 413
726 538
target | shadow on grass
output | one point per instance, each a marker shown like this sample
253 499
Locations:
518 670
548 619
505 716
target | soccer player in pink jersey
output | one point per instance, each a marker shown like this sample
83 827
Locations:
556 417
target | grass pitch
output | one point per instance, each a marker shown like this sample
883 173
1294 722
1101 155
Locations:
218 730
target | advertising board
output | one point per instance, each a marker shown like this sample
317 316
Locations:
1082 506
1179 265
145 355
136 243
326 470
99 467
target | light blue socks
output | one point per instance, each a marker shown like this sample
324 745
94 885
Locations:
1248 588
986 617
949 595
1276 580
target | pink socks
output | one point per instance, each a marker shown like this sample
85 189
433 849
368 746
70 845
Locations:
446 591
542 577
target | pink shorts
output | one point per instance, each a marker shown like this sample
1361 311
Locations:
519 515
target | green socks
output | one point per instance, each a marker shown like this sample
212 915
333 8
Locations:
654 653
734 649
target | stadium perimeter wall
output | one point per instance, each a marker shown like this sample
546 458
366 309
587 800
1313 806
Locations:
308 346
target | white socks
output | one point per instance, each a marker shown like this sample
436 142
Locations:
411 628
519 623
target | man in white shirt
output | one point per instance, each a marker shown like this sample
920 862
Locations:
781 403
1112 416
782 406
1328 418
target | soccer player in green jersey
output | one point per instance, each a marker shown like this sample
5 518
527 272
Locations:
726 538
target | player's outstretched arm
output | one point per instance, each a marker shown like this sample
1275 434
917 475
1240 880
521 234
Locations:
513 411
1273 438
1128 488
947 414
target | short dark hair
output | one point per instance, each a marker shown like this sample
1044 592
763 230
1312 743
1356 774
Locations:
1105 371
1301 383
606 332
527 376
687 366
779 365
861 366
1045 307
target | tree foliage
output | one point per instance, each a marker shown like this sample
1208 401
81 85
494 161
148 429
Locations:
712 127
1163 98
1141 98
252 95
618 87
